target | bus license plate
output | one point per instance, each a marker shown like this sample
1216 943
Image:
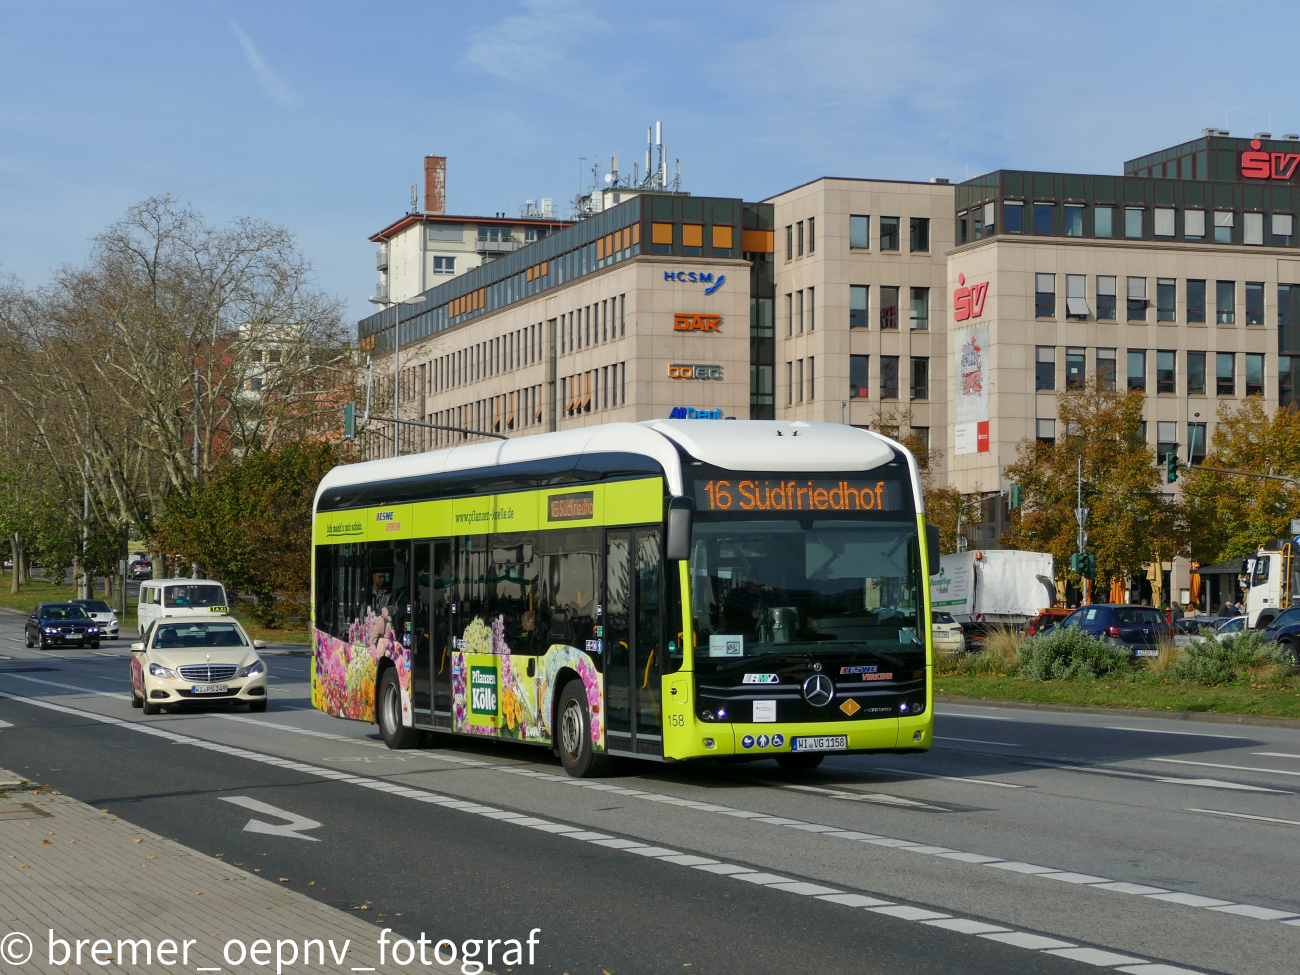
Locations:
822 743
209 689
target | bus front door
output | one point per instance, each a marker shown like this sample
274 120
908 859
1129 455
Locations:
632 636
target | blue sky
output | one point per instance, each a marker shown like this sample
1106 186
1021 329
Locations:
316 115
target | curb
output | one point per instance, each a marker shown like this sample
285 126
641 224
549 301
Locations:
1206 716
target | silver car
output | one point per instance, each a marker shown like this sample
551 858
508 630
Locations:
101 613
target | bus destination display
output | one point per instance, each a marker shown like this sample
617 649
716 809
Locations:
756 492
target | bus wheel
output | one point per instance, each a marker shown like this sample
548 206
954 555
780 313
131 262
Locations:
794 762
391 729
574 734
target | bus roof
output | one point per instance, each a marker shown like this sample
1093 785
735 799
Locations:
747 445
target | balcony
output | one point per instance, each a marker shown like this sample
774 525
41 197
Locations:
381 259
380 297
497 247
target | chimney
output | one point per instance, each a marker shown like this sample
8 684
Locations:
435 184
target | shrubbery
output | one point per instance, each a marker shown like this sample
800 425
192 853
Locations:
1066 654
1224 660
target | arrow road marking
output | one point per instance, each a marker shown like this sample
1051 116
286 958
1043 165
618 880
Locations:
291 828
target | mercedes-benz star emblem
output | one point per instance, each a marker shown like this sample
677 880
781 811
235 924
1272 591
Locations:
818 690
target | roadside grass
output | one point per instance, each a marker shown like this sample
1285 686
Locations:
38 591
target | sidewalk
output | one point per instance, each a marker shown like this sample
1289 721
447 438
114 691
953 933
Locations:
92 877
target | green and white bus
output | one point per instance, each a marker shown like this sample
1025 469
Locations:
667 590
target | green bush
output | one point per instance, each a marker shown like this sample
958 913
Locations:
1068 654
1221 661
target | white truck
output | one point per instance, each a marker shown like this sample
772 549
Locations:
1274 578
993 587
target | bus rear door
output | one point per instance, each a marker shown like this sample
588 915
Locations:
632 634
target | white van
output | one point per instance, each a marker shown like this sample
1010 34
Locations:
160 598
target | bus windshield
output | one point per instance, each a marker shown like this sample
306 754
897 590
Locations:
806 586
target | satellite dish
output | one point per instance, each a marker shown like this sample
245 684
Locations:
609 177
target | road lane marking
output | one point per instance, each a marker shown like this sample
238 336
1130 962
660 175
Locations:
1238 768
979 717
950 778
1276 754
978 741
293 822
6 724
1168 779
391 787
1191 734
1235 815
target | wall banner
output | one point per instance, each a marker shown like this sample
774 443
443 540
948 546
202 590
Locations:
971 354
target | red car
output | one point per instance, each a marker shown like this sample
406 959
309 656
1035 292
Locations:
1048 617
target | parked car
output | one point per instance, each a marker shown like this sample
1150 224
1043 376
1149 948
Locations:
1139 627
1285 629
1047 619
142 568
1234 625
60 624
101 613
197 660
1192 625
947 634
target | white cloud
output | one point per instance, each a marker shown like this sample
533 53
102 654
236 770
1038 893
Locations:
273 86
533 44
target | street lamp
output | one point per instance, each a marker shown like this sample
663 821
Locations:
397 367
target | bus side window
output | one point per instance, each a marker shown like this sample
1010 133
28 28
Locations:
513 568
567 588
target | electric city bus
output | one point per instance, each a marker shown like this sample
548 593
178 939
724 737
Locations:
667 590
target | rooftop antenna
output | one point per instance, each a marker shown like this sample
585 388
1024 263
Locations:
663 162
649 144
415 200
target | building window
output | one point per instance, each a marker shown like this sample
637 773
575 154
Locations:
1284 305
1225 302
1196 374
920 309
798 304
888 307
858 305
1103 221
1013 216
859 376
1252 229
444 265
1254 373
1164 224
798 377
920 233
1106 369
661 242
920 378
1076 305
1254 302
1166 297
1222 227
1105 297
1137 369
1195 443
1193 224
1226 373
889 377
812 235
789 383
789 315
812 378
1166 439
889 233
789 242
1075 369
799 238
977 223
1044 295
922 436
1166 373
1073 221
1137 299
1133 223
1043 218
859 232
1045 367
812 309
962 228
1282 227
1045 431
1196 301
990 218
1286 391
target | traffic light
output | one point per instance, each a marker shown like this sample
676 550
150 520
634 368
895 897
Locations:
1076 562
1090 566
1017 497
350 421
1171 467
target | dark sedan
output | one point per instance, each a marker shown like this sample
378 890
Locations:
60 625
1285 629
1139 627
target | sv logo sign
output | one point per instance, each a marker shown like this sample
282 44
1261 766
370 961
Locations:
1256 164
969 302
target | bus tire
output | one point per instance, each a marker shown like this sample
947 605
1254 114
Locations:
573 734
388 711
796 762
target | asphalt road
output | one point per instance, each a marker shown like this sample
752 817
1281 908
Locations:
1160 840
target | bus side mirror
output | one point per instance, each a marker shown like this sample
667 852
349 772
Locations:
681 511
932 548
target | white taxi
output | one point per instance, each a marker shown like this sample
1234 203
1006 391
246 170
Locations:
947 635
196 660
